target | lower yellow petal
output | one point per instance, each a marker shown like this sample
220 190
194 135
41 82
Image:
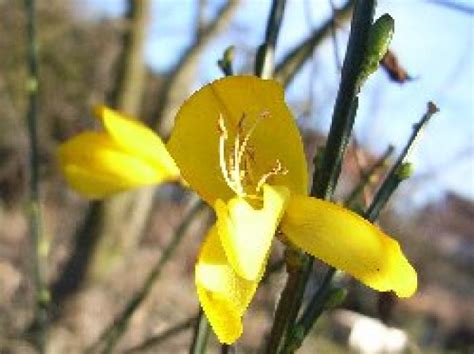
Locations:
224 296
96 167
246 232
346 241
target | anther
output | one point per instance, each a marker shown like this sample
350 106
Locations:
221 127
276 170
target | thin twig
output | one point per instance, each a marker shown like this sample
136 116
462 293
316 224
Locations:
114 332
172 93
201 335
286 70
161 337
325 177
367 176
264 61
396 175
468 10
335 45
34 207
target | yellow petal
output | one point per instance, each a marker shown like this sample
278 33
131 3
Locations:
136 139
346 241
95 166
194 142
246 232
224 296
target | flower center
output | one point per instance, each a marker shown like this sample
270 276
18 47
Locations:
237 167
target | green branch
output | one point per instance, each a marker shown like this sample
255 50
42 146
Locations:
42 297
201 335
265 59
326 175
161 337
367 176
401 169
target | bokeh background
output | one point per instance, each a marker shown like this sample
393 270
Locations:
145 58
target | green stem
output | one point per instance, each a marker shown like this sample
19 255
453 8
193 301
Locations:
391 182
34 206
272 268
367 176
398 173
325 177
109 338
201 335
227 349
287 307
345 108
265 59
168 333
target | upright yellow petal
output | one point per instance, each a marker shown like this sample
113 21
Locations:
137 139
346 241
95 166
224 296
247 232
194 142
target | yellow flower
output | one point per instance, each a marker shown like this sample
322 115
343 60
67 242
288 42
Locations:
125 155
237 145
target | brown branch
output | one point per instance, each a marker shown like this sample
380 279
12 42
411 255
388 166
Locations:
112 226
290 65
129 87
177 85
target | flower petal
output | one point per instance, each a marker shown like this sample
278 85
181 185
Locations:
224 296
136 139
246 232
95 166
346 241
194 142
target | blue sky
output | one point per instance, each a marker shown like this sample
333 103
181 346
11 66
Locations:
434 43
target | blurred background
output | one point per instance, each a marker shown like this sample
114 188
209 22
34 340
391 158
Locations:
144 58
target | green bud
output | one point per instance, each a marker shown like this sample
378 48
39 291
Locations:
32 85
44 296
229 53
405 170
226 62
380 36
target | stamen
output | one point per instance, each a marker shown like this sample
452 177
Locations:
235 169
223 135
248 160
221 127
243 147
277 170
